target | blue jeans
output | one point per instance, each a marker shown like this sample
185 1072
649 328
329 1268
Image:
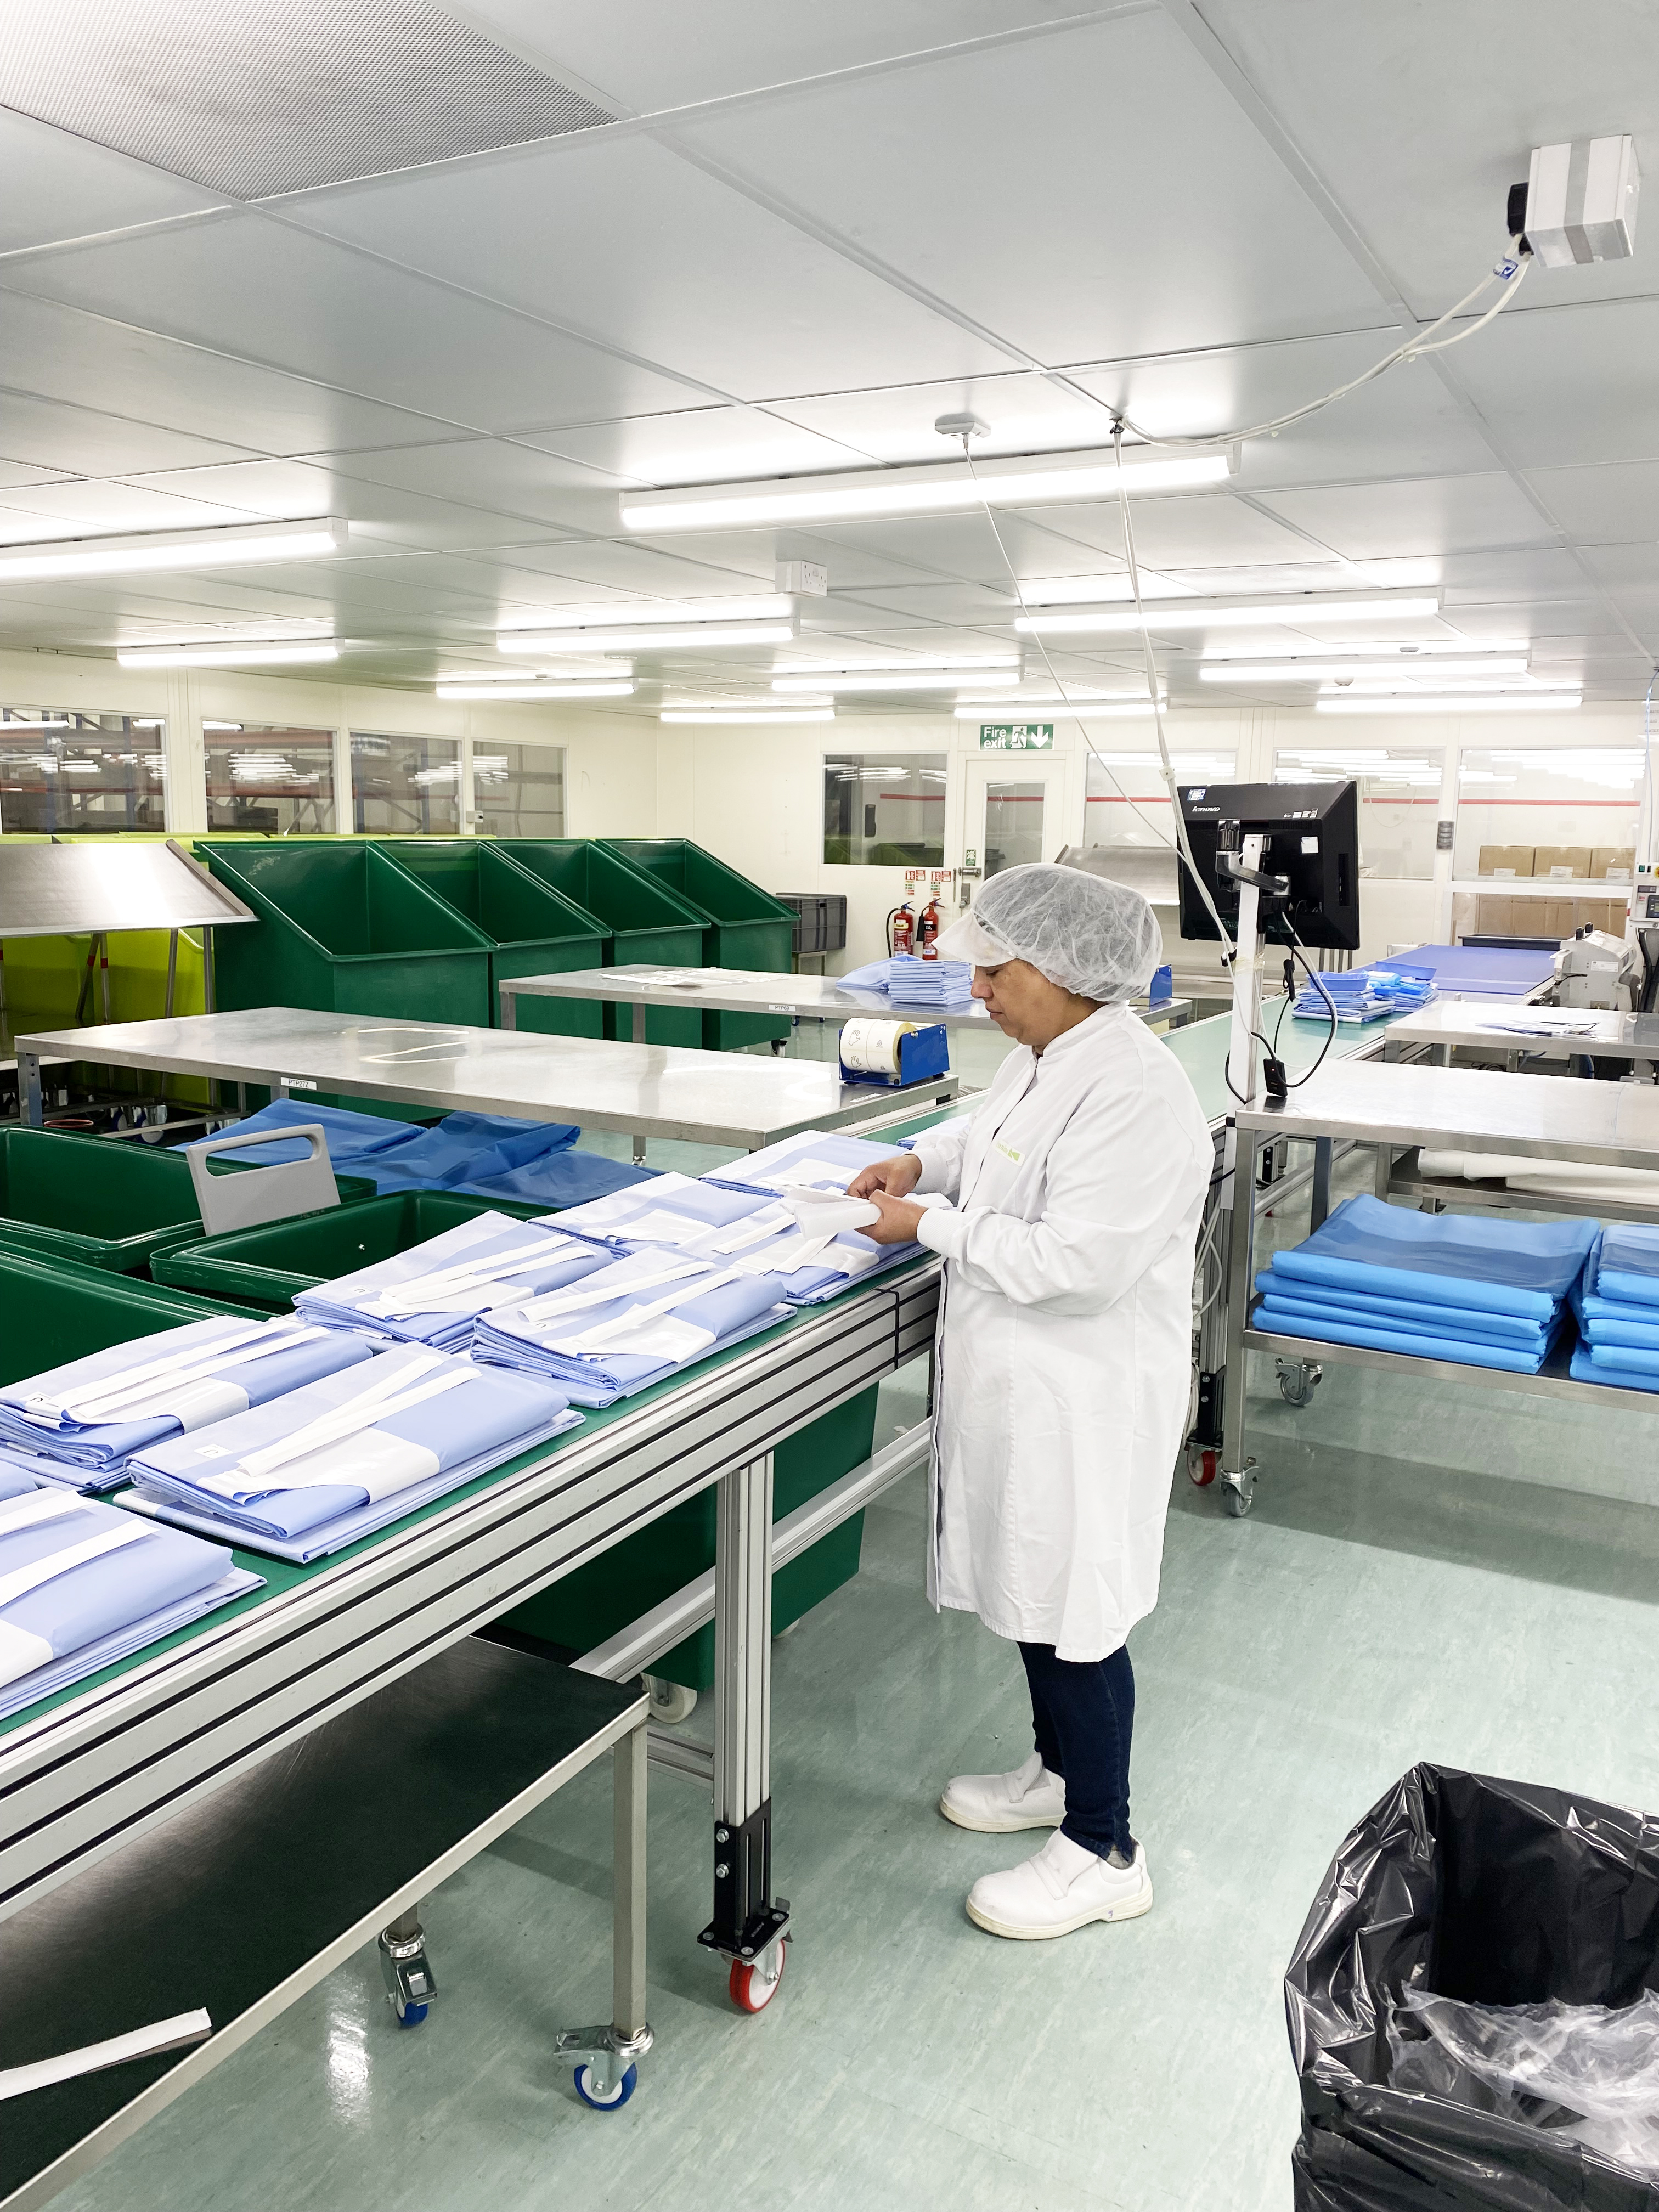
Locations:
1083 1714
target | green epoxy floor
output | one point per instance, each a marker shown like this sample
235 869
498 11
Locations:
1369 1613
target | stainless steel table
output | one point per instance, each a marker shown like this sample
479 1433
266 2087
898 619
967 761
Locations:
1394 1107
1497 1026
742 990
648 1090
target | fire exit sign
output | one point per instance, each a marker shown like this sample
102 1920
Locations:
1015 737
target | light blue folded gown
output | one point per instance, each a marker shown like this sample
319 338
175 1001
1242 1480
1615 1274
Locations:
541 1258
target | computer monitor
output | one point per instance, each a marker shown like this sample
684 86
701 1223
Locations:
1312 837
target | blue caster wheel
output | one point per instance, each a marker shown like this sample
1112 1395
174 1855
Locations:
618 2096
411 2015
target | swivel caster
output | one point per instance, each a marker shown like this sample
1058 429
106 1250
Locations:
604 2058
671 1702
1201 1464
410 1985
1298 1379
410 2016
753 1982
605 2100
1239 1490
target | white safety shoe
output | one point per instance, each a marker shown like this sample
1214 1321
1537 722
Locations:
1065 1886
1029 1798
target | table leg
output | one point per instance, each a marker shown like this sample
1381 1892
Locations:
103 974
508 1001
1322 1182
749 1921
1237 1473
31 1104
172 972
638 1024
1384 1171
628 1930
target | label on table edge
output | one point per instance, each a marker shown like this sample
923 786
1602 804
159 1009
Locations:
296 1082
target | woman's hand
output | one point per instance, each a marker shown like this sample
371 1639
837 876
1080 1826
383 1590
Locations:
894 1177
899 1217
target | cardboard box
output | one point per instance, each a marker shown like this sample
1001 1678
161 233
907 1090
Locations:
1554 918
1491 915
1600 914
1505 860
1562 863
1617 862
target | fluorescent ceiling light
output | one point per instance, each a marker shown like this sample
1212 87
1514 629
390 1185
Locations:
238 542
1290 609
736 717
604 670
1316 671
1373 648
259 654
45 722
222 725
1393 686
1118 710
929 487
972 660
471 690
1508 702
1090 590
766 606
901 679
639 638
1088 694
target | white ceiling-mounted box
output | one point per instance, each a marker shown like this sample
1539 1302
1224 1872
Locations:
1581 201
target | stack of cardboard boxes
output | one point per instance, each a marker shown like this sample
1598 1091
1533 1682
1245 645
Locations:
1570 865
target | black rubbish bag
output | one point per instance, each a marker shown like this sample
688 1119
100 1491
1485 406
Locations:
1494 1893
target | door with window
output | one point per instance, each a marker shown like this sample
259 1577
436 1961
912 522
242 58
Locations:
1014 811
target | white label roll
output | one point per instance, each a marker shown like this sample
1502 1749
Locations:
870 1048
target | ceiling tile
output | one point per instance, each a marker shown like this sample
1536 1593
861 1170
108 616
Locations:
255 288
1200 529
58 186
1602 506
87 442
65 510
1422 516
1571 386
705 445
631 244
998 181
1022 413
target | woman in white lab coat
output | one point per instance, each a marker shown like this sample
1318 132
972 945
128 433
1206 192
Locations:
1063 1362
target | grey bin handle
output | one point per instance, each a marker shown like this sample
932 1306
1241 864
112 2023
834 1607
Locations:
262 1193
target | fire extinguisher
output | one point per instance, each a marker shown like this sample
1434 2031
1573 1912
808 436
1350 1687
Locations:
900 929
928 930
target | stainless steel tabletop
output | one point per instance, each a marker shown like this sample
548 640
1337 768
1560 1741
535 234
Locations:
54 890
654 1091
744 991
1472 1110
1503 1025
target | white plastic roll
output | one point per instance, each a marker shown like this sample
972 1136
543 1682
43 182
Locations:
871 1048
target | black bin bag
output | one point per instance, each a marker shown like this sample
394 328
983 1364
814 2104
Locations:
1496 1894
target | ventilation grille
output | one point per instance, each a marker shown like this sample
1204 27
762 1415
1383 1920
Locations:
256 97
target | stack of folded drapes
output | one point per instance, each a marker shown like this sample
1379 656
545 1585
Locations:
1618 1310
631 1323
907 980
1364 994
1460 1287
83 1585
818 1159
79 1424
432 1293
315 1470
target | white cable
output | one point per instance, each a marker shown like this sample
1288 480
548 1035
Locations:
1509 272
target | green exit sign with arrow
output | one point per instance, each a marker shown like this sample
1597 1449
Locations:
1015 737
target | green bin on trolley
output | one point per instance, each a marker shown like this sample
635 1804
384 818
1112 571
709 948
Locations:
53 1310
646 921
743 926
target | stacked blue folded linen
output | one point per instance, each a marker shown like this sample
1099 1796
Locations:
83 1585
818 1159
431 1293
314 1471
1618 1310
1478 1291
726 1226
907 980
1364 994
631 1323
78 1424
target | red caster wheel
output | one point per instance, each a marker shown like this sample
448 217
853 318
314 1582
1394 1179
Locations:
753 1982
1200 1466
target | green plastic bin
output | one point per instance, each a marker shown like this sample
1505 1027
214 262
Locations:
270 1265
533 929
52 1311
645 920
743 926
103 1202
585 1607
343 929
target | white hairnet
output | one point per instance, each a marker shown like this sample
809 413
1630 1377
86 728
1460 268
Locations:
1098 939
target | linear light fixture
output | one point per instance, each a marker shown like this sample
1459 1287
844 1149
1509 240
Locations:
977 661
1371 648
258 653
232 545
1325 672
1291 610
739 717
1093 590
606 669
470 690
38 722
764 606
1391 685
928 487
903 679
1452 702
641 638
1108 709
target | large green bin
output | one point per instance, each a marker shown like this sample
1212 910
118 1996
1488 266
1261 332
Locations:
53 1310
646 921
533 930
343 929
743 926
270 1265
585 1607
104 1201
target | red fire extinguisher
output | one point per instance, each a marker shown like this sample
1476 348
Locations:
900 929
929 930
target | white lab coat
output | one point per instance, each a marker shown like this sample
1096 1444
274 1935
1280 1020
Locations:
1064 1347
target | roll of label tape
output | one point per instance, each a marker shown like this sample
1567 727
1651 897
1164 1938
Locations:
871 1048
